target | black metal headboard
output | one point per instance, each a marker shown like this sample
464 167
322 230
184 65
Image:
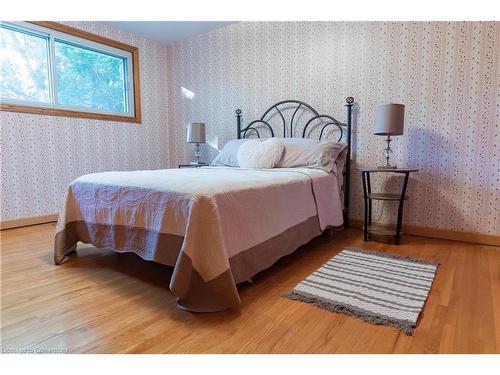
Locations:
314 121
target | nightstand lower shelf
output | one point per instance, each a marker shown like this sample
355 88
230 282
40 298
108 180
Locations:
381 230
385 196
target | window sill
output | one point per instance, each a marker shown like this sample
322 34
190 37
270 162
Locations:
68 113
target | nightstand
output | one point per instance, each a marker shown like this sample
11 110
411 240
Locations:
370 228
193 165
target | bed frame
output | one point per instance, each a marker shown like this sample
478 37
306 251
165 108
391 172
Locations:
314 121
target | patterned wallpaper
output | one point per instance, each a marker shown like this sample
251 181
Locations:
41 155
446 73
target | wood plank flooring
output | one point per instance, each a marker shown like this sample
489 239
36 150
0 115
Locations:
102 302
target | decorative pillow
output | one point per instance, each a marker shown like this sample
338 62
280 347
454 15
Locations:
228 157
311 153
260 154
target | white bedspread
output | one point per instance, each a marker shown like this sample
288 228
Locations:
219 211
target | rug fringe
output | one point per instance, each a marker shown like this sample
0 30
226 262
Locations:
386 255
405 326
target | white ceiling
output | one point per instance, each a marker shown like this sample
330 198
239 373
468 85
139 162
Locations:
168 31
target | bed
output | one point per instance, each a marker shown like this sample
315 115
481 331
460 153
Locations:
217 226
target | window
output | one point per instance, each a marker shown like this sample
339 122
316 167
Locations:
50 68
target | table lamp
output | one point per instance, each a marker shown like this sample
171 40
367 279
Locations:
389 121
196 134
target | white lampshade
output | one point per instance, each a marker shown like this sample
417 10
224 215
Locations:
196 132
390 119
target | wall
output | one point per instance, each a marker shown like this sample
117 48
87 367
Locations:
447 75
41 155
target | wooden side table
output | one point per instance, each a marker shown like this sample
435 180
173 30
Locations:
193 165
370 228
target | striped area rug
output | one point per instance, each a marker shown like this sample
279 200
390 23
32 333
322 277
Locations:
377 287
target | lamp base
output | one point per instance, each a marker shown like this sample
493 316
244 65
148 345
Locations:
387 155
387 167
197 155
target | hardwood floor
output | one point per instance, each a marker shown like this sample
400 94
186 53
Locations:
102 302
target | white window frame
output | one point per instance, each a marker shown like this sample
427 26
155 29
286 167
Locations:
52 36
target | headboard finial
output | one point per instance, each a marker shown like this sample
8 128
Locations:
349 100
238 121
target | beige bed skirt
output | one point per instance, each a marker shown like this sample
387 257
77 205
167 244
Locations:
192 292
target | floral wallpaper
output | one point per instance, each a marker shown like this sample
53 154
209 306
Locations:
41 155
446 74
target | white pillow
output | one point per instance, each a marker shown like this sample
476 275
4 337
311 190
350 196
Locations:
262 155
228 157
310 153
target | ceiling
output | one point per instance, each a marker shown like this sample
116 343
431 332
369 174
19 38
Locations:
168 31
